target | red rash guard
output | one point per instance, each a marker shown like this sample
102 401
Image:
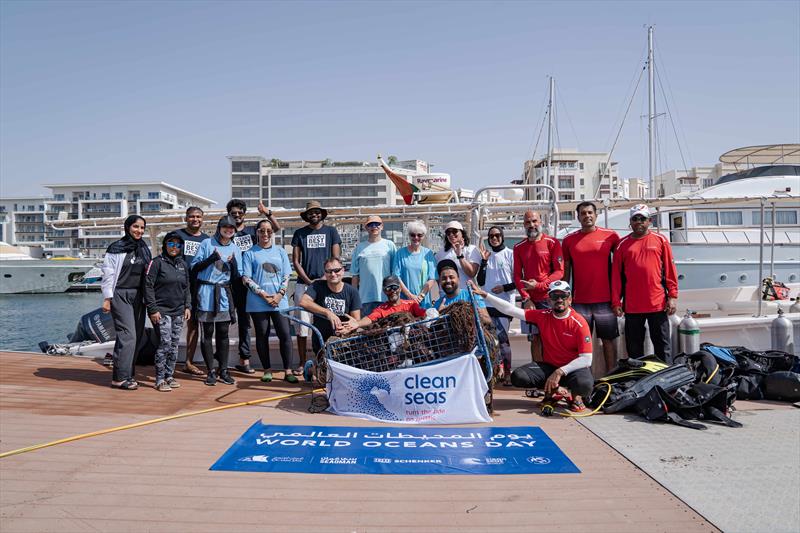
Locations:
643 274
541 261
403 306
589 255
562 338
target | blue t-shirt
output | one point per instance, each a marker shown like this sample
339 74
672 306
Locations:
372 261
270 269
217 272
461 296
415 269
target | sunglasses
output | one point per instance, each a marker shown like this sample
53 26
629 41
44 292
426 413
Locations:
333 270
638 218
265 231
372 225
555 296
172 244
393 287
452 231
494 235
416 235
236 213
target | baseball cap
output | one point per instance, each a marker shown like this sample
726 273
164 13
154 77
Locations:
453 224
559 286
640 209
390 280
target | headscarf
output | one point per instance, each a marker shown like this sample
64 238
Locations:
128 244
502 244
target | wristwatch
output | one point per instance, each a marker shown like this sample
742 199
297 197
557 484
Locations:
459 257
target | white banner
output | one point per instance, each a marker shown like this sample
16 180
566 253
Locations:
450 392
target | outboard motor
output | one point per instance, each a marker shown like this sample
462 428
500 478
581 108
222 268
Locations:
782 334
689 334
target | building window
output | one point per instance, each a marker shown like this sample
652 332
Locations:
707 218
58 197
153 195
567 215
105 196
119 195
782 217
580 166
245 166
566 182
730 218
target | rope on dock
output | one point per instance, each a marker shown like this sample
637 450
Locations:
149 422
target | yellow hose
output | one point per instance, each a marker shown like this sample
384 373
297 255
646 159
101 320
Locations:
581 415
151 421
714 373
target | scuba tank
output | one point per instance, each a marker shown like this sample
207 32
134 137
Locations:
622 350
782 334
689 334
674 322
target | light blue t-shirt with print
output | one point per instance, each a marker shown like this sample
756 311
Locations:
415 269
217 273
372 261
270 269
461 296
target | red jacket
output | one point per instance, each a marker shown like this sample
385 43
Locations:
541 261
643 274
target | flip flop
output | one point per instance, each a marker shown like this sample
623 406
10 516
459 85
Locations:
298 371
126 385
193 370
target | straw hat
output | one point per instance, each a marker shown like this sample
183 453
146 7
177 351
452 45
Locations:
313 204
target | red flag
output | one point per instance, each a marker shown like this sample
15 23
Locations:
405 188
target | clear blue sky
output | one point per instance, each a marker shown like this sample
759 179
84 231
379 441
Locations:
112 91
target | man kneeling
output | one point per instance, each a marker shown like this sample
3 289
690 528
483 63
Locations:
567 343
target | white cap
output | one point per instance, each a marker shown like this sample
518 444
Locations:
454 225
640 209
559 286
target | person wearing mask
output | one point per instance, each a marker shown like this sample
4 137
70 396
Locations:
217 268
587 263
123 296
245 238
265 272
372 261
496 275
192 236
169 303
451 293
415 265
332 302
457 249
567 354
644 286
311 246
538 261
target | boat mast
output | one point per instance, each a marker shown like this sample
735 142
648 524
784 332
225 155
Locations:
650 108
549 178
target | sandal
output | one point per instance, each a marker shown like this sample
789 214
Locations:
577 406
290 378
128 384
193 370
297 372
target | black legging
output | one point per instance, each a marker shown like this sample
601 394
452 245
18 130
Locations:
534 376
261 322
218 330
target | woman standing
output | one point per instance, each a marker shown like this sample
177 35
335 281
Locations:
217 266
415 265
265 272
124 268
457 248
496 275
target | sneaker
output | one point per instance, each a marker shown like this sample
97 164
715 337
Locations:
211 378
172 382
163 386
226 378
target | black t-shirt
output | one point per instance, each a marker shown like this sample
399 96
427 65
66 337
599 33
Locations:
246 238
316 245
341 303
191 243
132 274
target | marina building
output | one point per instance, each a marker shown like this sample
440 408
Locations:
24 220
576 176
689 180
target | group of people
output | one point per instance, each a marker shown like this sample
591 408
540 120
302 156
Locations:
238 276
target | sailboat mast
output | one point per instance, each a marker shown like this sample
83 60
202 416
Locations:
650 108
550 102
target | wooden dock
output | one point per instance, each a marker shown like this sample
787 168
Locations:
156 477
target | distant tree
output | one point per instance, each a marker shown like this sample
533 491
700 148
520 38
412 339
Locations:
275 162
392 160
328 162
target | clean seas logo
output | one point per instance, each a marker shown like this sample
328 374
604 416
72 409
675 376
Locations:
363 396
428 390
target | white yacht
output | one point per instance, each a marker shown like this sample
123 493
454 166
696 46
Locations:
22 274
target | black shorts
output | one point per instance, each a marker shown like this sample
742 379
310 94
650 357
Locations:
601 318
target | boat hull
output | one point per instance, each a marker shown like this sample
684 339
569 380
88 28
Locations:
40 276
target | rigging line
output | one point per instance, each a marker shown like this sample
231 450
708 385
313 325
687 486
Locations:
544 116
628 90
559 100
619 131
672 96
669 113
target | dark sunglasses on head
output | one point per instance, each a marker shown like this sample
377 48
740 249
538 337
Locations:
419 235
173 244
638 218
555 296
392 287
374 225
333 270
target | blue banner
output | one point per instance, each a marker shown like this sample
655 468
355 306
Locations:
395 450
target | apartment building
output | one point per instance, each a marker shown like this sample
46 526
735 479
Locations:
22 221
690 180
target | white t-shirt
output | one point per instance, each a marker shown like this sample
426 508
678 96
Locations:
471 253
500 271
